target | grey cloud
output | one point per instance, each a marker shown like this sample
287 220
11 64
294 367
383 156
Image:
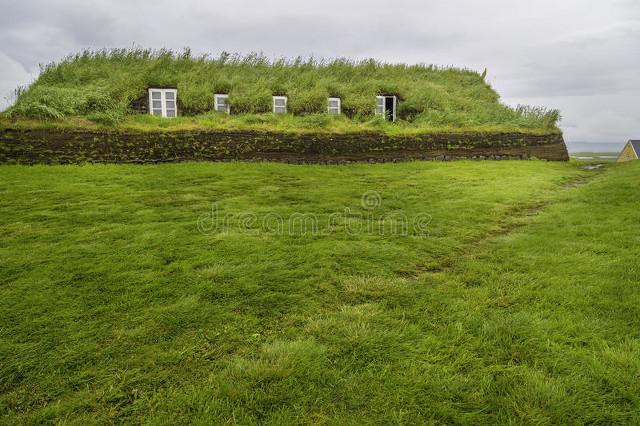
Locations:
578 55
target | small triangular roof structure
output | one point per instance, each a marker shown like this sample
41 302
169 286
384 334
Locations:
631 151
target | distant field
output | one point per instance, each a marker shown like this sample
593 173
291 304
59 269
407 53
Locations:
271 293
595 156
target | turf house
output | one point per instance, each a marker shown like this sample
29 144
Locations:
155 106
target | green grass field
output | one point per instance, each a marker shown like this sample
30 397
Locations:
512 296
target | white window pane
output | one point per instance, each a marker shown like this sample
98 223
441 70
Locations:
334 111
170 95
171 113
279 102
221 104
280 110
155 95
171 104
157 112
157 104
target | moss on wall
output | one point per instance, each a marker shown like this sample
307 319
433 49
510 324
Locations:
60 146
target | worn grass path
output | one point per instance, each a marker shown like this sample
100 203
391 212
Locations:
114 306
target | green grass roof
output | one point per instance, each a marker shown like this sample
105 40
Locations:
100 86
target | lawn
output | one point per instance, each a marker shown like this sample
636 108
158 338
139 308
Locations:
270 293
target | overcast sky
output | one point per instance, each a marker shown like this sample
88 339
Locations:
580 56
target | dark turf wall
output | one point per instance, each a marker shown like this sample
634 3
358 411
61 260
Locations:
79 146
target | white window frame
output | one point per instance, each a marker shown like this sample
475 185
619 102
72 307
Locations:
226 103
384 106
163 101
378 110
329 107
274 104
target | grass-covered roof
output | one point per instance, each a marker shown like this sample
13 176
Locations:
99 86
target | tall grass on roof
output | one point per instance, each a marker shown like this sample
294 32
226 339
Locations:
103 83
